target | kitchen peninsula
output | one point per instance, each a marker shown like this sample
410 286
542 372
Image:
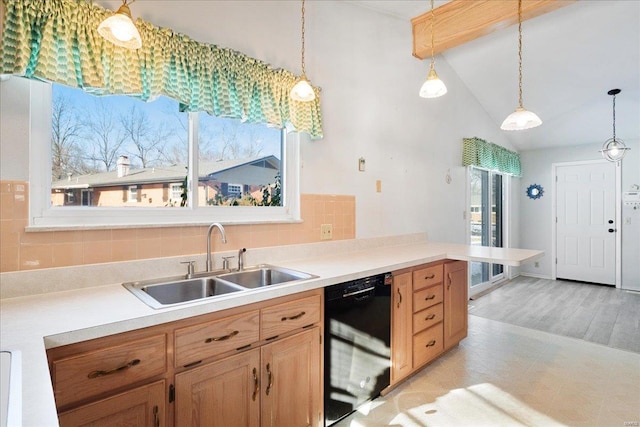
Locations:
35 323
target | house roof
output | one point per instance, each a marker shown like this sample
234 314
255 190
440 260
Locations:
161 174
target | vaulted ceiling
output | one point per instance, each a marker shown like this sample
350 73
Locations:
572 57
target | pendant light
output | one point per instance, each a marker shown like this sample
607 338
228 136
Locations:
613 148
302 90
432 87
521 118
119 28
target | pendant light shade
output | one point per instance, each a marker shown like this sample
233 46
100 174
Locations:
614 149
520 119
120 30
302 90
432 87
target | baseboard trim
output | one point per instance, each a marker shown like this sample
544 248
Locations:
537 276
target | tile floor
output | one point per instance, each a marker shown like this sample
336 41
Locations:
506 375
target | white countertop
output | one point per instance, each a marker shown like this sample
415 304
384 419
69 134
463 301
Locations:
31 324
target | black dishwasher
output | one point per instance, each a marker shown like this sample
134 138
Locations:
357 347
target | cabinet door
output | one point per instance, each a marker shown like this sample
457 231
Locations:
291 372
401 330
220 394
140 407
455 303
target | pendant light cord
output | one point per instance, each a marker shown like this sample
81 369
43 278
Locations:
302 51
433 58
614 117
519 53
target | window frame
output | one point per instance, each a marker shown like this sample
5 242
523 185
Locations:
43 216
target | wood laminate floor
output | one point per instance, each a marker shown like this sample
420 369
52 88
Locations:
596 313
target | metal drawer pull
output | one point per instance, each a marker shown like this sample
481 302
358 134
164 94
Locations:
429 297
256 384
156 420
431 343
296 317
450 280
429 317
223 338
399 298
270 379
430 277
97 374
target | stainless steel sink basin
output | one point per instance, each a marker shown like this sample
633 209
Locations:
171 291
263 275
160 294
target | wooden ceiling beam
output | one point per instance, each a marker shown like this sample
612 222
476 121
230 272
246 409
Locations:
460 21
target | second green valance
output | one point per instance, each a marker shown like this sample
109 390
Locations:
57 40
478 152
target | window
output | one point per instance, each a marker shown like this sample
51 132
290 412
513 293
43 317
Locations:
176 192
133 194
189 167
86 197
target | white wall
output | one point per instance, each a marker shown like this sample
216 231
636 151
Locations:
362 61
14 129
536 215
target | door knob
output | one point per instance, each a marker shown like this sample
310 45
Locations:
612 230
610 221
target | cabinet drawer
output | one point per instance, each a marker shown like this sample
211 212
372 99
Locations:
93 373
289 316
205 340
427 345
427 297
427 318
427 277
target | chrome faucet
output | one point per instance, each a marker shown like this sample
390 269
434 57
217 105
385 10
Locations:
241 258
224 240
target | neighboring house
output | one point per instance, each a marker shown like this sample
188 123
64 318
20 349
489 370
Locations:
162 186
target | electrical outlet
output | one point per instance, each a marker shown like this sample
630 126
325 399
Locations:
326 232
378 186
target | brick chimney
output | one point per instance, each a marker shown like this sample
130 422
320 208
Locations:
123 166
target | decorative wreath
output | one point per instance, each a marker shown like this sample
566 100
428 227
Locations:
535 191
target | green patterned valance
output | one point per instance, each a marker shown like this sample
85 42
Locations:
57 40
477 152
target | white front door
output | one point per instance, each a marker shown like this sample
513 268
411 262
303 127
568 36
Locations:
586 222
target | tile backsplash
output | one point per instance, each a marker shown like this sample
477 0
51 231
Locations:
21 250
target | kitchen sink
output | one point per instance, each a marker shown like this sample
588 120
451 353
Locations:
263 275
160 294
179 290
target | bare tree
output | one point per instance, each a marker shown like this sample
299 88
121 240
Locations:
148 141
228 139
67 155
107 138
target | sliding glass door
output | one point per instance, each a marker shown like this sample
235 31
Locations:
486 224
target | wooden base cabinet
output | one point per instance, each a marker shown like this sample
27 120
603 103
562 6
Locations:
249 366
429 314
275 385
